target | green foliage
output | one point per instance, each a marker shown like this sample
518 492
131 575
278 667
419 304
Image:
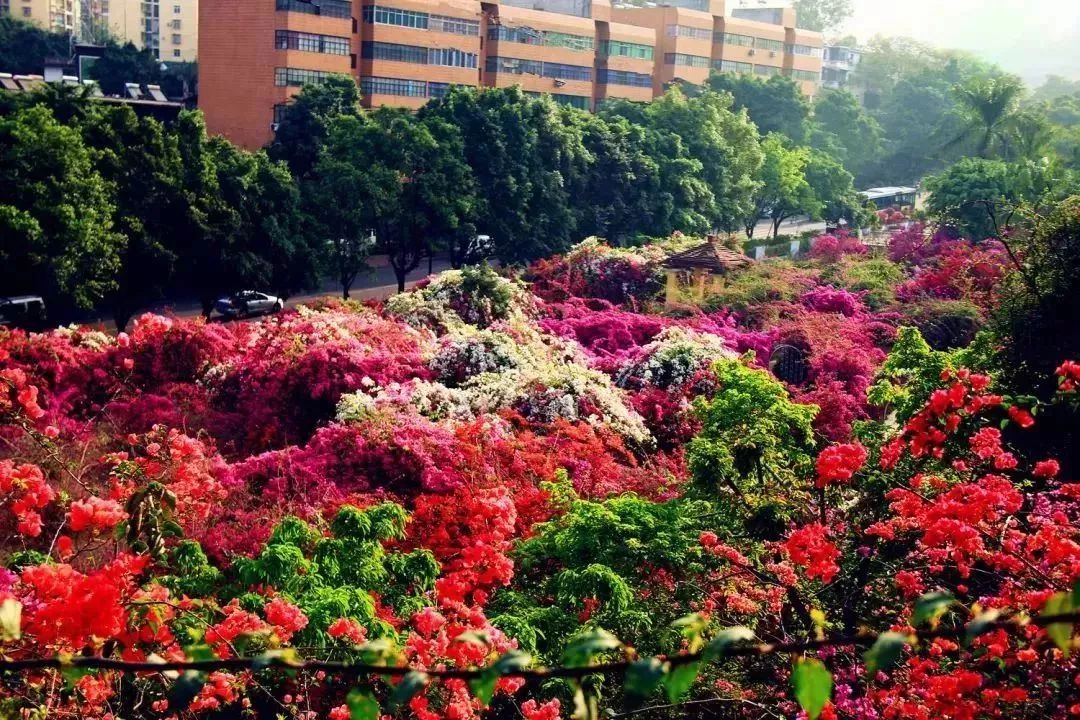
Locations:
913 371
24 46
192 574
304 124
822 15
332 577
124 63
843 129
56 214
597 553
978 197
877 277
774 104
813 684
782 189
755 443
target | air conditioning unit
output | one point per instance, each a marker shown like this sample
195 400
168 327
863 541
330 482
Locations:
752 52
560 83
772 53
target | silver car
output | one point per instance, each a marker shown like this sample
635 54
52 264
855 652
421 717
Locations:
248 303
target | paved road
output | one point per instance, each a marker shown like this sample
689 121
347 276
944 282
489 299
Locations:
377 284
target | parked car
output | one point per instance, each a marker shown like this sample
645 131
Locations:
248 303
24 311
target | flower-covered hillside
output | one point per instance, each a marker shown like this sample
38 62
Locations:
489 475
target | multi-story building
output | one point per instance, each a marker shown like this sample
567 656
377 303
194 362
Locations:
257 54
169 28
56 15
839 63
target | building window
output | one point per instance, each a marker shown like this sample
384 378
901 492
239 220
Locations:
177 39
381 15
327 8
393 86
454 26
437 89
733 39
686 60
176 9
766 70
731 66
806 75
619 48
175 24
797 49
279 112
451 57
297 77
558 71
529 36
310 42
623 77
176 53
26 12
685 31
393 52
770 45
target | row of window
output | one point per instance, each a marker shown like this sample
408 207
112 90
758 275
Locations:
558 71
383 15
620 48
806 75
686 60
328 8
310 42
623 77
581 102
393 86
685 31
809 50
296 77
529 36
731 66
449 57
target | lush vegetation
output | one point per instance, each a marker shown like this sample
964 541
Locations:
489 475
101 209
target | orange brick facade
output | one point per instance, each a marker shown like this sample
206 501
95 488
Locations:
256 54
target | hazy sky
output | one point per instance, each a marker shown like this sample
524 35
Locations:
1029 37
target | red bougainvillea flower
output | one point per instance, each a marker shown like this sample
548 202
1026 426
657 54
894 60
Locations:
837 464
25 488
1068 374
347 629
94 513
809 547
1021 417
286 618
1046 469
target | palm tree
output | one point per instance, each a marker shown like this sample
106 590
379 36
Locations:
988 109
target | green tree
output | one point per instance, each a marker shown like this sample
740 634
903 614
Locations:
834 190
56 215
336 196
525 160
620 200
417 188
723 141
683 201
978 197
843 129
24 47
304 123
775 104
141 160
121 64
822 15
987 109
782 188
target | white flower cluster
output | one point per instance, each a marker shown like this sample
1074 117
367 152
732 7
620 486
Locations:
672 359
457 297
464 355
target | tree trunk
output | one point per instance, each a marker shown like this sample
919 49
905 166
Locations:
430 262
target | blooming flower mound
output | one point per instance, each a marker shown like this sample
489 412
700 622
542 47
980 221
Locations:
489 474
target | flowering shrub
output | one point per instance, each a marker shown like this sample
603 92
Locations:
830 248
473 473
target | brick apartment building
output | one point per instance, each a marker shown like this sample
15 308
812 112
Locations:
256 54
